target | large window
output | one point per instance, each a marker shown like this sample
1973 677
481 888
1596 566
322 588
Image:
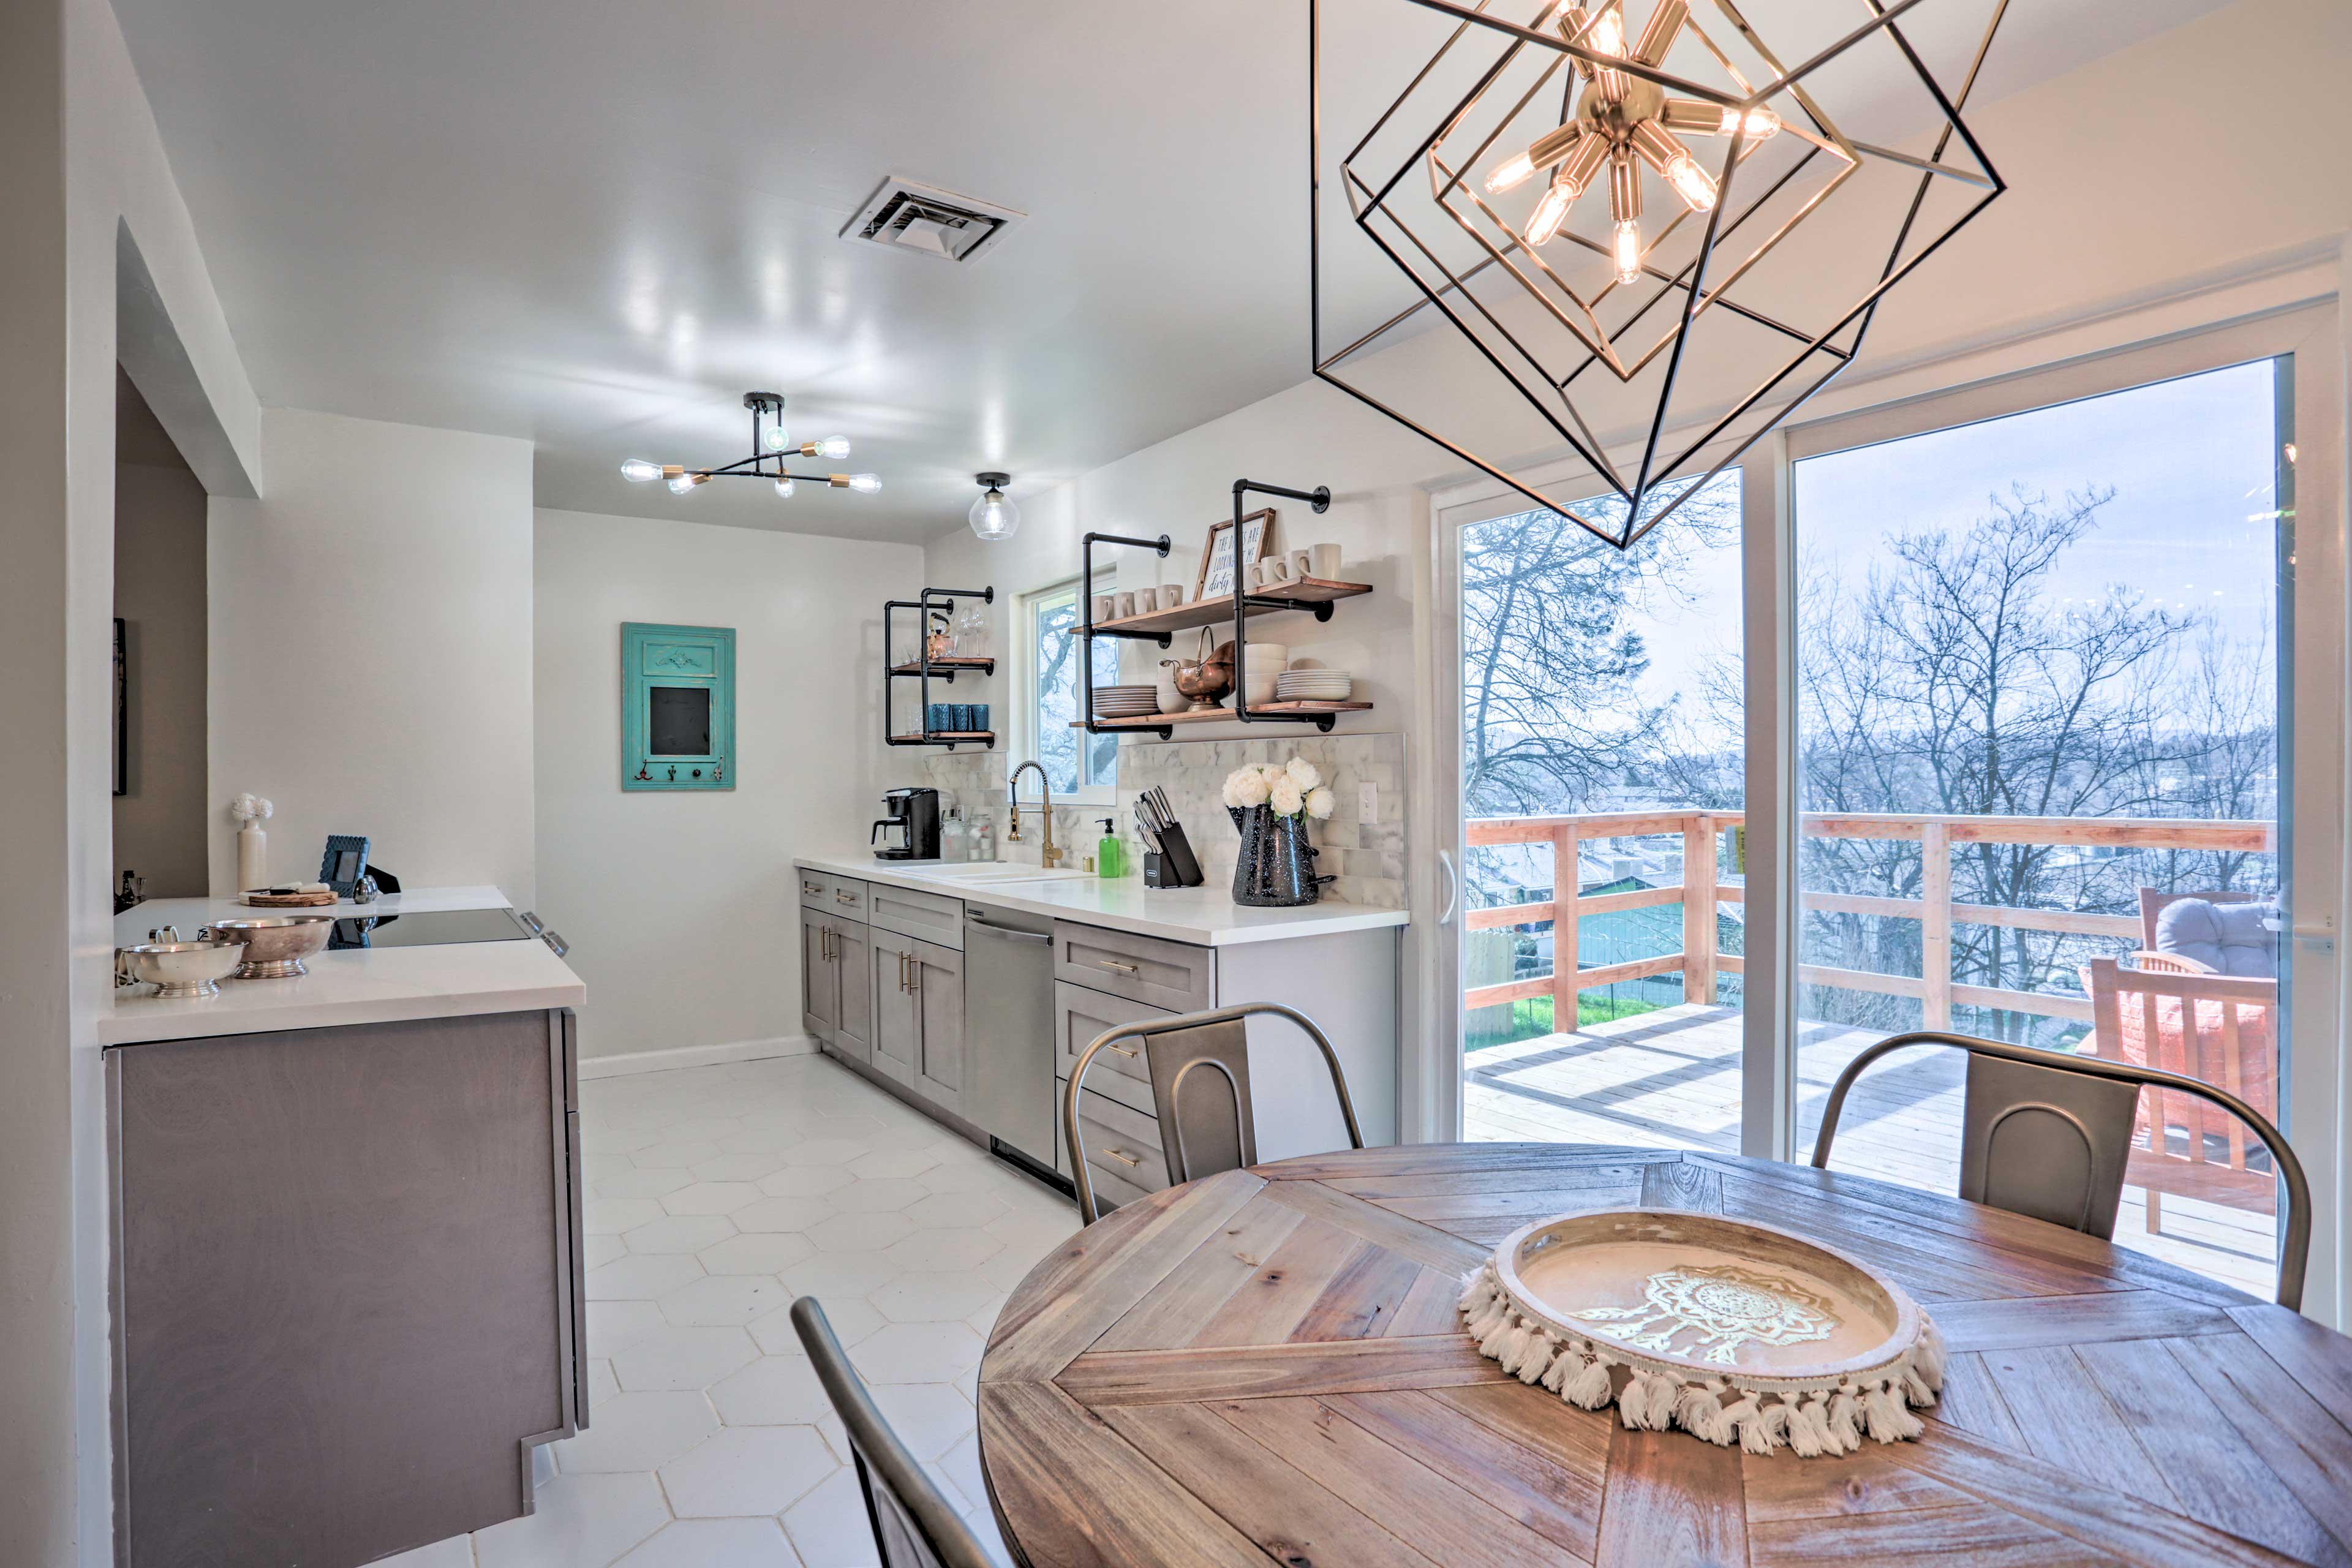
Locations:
2038 684
1081 767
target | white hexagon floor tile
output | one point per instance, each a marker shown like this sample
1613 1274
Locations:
720 1193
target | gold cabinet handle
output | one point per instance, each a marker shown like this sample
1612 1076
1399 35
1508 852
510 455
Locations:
1128 1051
1124 1157
841 898
811 887
825 945
1122 968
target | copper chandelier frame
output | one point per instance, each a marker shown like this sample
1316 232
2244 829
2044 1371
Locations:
1693 291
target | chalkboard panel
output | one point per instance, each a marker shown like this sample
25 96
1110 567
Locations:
680 721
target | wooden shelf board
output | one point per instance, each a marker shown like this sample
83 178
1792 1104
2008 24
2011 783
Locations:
940 665
1303 594
1211 716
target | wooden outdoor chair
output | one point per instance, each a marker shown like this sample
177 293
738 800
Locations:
2151 904
2050 1135
2220 1029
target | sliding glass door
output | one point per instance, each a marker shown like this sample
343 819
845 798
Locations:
2047 747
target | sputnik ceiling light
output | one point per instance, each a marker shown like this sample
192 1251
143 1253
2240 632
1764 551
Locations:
993 516
771 446
1544 301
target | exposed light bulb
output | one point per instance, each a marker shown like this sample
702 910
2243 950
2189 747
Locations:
1607 36
1627 250
1551 211
1691 184
683 484
779 439
993 517
1762 123
1713 120
636 470
866 484
831 446
1512 171
784 488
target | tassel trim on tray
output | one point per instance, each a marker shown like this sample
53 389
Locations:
1723 1410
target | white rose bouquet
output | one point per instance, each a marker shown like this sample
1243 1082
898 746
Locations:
1292 789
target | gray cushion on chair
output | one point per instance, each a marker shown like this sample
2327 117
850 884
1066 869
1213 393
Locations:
2230 938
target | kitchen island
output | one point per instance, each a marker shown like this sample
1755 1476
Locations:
892 988
347 1298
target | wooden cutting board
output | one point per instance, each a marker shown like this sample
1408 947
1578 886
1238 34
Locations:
286 900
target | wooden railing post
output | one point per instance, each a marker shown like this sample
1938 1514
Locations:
1563 928
1698 910
1935 925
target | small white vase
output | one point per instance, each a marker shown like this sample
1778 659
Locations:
252 857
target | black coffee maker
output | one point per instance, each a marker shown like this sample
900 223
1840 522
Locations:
913 824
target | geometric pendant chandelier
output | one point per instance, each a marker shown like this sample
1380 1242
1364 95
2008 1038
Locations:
771 445
1667 232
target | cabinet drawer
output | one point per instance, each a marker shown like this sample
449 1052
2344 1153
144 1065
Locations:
1171 974
933 917
1121 1143
1119 1071
816 889
845 897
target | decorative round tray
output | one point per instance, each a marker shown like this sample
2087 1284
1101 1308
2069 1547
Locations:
1732 1331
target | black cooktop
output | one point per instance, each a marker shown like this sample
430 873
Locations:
427 929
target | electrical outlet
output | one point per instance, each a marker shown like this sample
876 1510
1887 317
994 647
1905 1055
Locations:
1368 804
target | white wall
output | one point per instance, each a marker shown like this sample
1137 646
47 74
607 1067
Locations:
681 909
371 651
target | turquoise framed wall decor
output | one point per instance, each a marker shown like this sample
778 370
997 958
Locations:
677 707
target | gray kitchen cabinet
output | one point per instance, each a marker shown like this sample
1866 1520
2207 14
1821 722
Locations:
853 1031
327 1349
918 988
836 991
1176 975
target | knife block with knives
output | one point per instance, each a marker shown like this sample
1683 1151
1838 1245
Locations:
1168 857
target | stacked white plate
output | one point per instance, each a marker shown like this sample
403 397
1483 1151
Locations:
1126 701
1313 686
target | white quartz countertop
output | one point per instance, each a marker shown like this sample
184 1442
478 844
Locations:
366 987
1206 915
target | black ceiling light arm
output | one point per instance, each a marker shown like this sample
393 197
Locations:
1319 498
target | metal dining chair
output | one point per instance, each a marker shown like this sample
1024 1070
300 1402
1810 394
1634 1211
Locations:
2049 1135
914 1525
1200 1089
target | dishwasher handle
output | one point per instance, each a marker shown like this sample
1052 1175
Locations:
1008 932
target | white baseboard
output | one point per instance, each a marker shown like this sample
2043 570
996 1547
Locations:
630 1062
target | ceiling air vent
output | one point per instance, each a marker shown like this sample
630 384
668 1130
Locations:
906 215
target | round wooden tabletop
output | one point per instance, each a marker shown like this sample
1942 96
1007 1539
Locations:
1268 1364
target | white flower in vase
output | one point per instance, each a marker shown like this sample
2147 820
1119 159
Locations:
1286 798
1247 788
1321 803
1303 774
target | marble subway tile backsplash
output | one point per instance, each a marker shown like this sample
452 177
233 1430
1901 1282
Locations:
1368 858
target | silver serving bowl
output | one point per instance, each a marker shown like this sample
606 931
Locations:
177 968
274 946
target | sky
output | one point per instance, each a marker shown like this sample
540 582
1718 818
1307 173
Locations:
2190 462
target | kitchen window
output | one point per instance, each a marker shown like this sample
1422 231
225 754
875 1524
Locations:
1082 768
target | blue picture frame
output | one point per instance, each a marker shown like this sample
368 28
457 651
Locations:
678 708
344 862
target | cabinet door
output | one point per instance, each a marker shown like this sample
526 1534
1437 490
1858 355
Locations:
938 973
852 961
897 1026
820 982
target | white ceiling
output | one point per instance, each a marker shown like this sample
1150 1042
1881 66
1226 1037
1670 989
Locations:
597 223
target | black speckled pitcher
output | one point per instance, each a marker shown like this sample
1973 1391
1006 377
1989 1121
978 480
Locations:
1275 867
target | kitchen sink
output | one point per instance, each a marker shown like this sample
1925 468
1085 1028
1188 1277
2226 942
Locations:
990 874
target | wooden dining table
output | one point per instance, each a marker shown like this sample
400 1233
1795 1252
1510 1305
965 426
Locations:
1268 1365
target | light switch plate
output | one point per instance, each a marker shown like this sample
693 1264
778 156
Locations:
1368 804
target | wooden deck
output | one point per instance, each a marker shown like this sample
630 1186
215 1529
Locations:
1671 1079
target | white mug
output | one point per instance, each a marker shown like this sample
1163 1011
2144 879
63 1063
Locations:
1301 565
1124 604
1326 559
1146 600
1172 596
1104 608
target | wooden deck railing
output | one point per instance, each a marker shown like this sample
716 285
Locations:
1699 961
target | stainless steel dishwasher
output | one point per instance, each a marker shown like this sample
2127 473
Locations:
1008 1010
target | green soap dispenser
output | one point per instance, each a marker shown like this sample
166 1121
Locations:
1110 854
